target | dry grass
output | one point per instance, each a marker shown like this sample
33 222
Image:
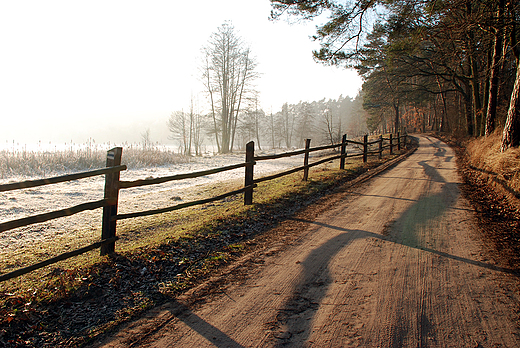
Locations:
500 169
35 163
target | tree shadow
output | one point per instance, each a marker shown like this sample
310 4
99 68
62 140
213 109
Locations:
425 209
295 317
183 313
217 337
440 151
294 320
365 234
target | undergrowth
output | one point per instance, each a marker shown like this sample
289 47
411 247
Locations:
492 185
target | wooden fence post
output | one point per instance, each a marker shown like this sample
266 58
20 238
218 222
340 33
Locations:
343 151
250 158
398 141
108 228
380 146
391 145
306 160
365 148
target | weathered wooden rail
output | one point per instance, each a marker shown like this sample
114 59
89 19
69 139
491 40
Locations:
113 185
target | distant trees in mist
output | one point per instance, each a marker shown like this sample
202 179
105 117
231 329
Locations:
324 121
235 116
187 129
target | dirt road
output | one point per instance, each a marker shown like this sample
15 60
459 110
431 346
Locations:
396 263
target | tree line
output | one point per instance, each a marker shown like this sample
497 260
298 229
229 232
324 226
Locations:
235 116
324 121
450 65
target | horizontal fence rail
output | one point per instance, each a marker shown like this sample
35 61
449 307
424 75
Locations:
5 226
181 206
297 169
113 185
55 259
58 179
154 181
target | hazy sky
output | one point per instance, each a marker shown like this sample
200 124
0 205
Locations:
71 70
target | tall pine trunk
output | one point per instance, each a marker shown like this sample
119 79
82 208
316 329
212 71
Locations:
396 116
511 134
496 65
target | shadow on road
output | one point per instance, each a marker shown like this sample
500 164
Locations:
365 234
294 320
295 317
426 209
197 324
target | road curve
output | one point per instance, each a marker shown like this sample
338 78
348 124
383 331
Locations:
396 263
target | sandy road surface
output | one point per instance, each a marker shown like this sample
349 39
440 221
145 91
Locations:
397 263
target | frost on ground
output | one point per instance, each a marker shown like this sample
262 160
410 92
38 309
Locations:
85 227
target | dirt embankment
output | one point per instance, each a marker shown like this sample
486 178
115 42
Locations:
396 262
496 204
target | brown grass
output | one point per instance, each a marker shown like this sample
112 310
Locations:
500 169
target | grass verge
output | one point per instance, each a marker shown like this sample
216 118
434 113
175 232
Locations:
499 169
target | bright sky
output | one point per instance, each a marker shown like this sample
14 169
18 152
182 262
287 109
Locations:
70 70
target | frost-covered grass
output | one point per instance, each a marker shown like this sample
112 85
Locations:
35 243
156 230
46 163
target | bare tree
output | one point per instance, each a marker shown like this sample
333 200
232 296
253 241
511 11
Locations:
330 120
187 129
288 118
259 118
179 126
274 130
328 124
145 137
228 71
306 113
252 126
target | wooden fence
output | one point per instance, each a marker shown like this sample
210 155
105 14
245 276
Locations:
113 184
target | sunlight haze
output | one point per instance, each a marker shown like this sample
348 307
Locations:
111 69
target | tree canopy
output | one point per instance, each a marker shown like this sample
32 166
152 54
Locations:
445 65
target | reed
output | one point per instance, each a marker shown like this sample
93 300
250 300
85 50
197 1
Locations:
24 163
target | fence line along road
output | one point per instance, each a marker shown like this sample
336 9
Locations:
113 185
